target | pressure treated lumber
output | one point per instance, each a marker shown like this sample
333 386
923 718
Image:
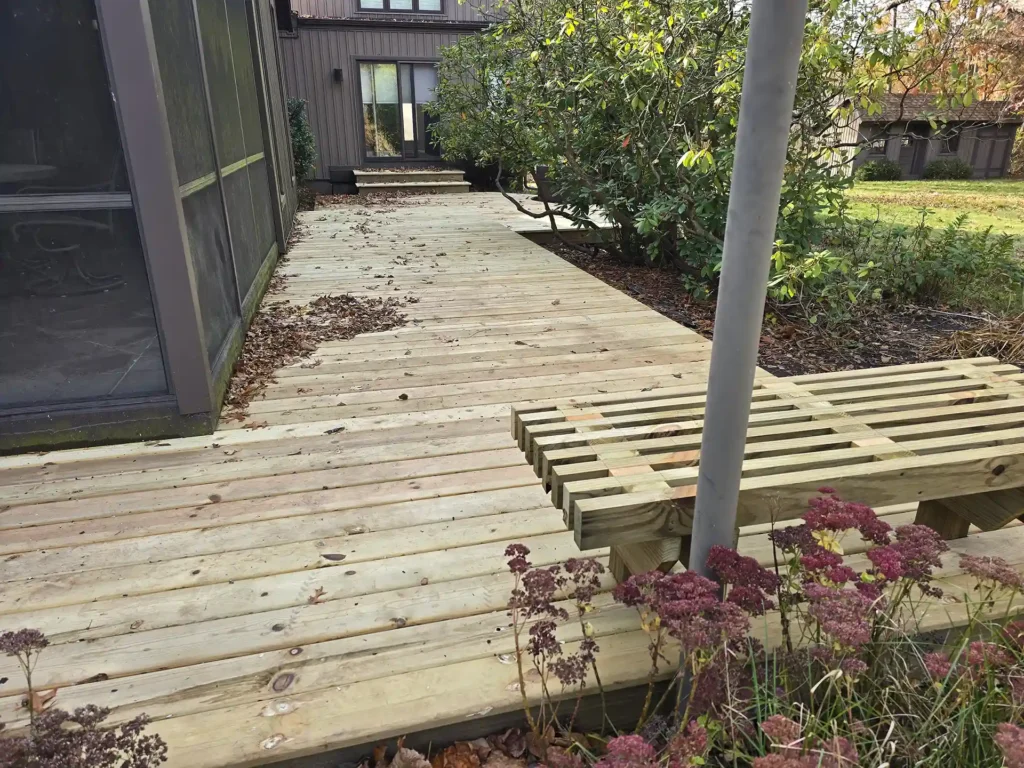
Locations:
181 578
948 435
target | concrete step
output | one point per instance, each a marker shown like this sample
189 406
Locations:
425 187
388 177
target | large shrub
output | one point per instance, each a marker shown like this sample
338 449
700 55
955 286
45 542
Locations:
948 168
879 170
633 108
303 143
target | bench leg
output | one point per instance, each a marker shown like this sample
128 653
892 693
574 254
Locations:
989 511
942 519
661 554
952 518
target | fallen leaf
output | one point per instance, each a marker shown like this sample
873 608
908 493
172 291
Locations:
98 678
409 758
380 753
500 760
458 755
482 746
538 744
511 742
315 597
41 700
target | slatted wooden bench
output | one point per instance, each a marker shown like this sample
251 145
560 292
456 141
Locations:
623 466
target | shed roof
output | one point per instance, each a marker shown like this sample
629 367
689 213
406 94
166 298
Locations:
921 106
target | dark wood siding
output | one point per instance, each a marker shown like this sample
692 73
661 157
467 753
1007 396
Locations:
309 59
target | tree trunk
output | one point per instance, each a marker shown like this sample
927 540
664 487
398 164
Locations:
632 245
668 244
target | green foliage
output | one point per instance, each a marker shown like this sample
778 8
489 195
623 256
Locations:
633 107
871 261
952 168
879 170
303 143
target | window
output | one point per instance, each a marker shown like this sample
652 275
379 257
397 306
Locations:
950 141
406 6
283 15
395 95
877 145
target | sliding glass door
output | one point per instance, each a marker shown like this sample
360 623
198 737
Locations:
381 121
395 122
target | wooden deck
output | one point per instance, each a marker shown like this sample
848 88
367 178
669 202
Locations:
336 577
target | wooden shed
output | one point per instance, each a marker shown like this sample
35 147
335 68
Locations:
913 130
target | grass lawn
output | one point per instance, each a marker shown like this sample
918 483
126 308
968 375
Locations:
999 204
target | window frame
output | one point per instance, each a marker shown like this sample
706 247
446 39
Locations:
415 8
356 61
949 141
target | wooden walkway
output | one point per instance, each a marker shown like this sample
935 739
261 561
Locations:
336 577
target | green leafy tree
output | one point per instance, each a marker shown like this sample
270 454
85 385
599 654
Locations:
632 106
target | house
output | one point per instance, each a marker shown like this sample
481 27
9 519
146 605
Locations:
146 190
367 68
981 135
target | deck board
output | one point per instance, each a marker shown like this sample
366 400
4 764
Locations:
177 577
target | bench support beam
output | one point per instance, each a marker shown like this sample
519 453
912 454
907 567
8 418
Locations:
661 554
988 511
943 519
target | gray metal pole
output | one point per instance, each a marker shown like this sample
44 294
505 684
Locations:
766 107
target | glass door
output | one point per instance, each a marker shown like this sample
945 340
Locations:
424 77
408 112
382 130
394 97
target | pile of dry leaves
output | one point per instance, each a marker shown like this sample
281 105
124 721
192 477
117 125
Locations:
373 200
511 749
283 333
1002 338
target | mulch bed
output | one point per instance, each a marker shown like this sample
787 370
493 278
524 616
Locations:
790 345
